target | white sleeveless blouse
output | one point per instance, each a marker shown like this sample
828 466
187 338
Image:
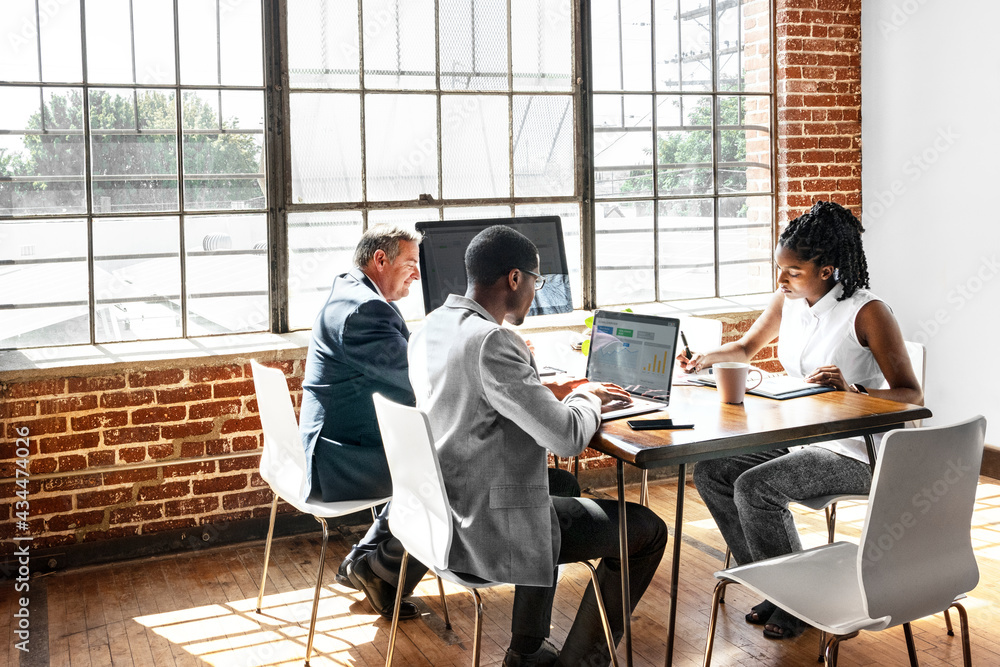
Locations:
824 335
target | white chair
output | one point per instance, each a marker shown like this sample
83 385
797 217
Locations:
420 516
283 467
915 557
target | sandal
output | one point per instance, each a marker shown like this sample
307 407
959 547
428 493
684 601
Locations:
783 625
760 614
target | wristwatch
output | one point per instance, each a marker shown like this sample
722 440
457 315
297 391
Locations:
860 388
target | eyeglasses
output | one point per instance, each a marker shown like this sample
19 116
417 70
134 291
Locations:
539 279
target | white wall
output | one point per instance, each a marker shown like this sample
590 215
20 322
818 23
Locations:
931 189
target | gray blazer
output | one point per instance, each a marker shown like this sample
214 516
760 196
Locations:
493 420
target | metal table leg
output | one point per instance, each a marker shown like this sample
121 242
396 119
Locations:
675 562
623 554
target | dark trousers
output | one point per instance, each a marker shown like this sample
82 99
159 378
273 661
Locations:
385 553
589 529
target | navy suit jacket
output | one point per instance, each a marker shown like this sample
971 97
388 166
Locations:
358 347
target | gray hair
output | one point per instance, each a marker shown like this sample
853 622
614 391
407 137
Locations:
385 238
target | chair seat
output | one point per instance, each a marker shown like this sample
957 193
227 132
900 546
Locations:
317 507
835 602
822 502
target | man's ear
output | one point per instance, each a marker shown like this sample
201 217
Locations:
513 279
379 258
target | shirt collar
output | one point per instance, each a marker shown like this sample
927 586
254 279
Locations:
827 303
363 278
458 301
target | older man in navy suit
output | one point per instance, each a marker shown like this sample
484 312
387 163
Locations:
358 347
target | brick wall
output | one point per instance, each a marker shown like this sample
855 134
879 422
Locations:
819 104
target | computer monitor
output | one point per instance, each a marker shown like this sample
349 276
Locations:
442 259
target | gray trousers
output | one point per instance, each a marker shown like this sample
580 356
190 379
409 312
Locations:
748 495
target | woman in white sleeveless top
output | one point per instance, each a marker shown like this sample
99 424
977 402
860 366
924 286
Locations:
831 330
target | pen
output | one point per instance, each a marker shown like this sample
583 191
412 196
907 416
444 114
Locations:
687 350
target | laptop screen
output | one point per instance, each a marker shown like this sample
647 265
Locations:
634 351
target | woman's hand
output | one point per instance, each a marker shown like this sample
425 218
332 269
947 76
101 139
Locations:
829 376
692 365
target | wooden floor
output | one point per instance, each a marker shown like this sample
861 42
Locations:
198 609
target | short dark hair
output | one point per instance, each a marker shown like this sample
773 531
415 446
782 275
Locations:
385 238
830 235
495 251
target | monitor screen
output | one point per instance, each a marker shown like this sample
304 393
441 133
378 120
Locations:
442 259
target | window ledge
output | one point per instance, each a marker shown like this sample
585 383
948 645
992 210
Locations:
90 359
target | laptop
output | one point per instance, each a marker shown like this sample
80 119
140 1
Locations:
637 353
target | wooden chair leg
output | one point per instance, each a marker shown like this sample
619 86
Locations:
947 623
319 587
267 553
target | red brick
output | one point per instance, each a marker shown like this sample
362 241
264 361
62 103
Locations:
99 420
122 436
50 505
216 447
42 466
257 498
171 524
72 483
199 392
35 388
227 517
51 541
164 491
75 520
245 424
127 399
215 373
239 463
136 514
155 378
231 389
160 451
36 427
72 462
53 406
112 533
186 430
189 469
80 385
191 506
218 484
103 498
286 367
13 409
214 409
68 443
158 415
101 458
246 443
129 476
257 481
191 450
132 454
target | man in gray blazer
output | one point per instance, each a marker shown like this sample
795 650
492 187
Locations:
358 347
493 420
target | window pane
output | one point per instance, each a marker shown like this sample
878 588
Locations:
137 279
109 41
326 147
199 42
570 217
401 146
475 148
744 144
624 252
743 45
399 44
543 146
620 44
154 42
323 44
745 245
223 149
43 283
45 167
226 273
320 246
134 171
542 48
476 212
62 59
623 145
19 50
242 43
687 248
473 44
684 144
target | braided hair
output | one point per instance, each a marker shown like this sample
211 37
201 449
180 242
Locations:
829 234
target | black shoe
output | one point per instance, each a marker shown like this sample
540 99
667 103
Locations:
380 594
341 576
546 655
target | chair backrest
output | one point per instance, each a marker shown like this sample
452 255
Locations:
283 461
420 514
915 553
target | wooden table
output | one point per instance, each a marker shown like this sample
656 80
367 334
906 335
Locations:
759 424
